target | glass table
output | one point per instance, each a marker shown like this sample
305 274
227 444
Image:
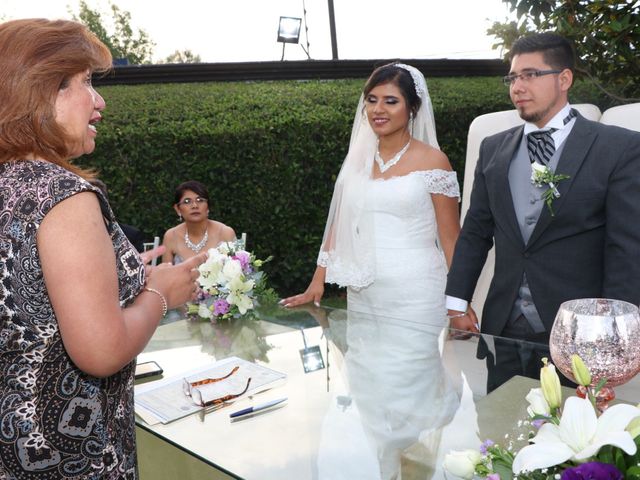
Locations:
381 398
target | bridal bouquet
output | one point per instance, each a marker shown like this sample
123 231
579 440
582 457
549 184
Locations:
231 284
570 442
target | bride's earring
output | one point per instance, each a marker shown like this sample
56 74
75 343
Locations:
179 217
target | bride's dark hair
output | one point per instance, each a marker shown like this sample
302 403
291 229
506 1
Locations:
391 73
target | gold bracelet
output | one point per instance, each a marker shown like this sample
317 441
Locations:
162 299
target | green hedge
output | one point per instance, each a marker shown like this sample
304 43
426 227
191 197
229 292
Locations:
269 153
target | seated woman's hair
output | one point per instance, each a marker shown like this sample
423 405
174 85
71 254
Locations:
38 57
193 185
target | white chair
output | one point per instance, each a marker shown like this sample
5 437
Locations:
151 245
480 128
627 116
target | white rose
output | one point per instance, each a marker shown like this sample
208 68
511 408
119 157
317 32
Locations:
537 403
462 463
225 247
232 269
204 312
539 168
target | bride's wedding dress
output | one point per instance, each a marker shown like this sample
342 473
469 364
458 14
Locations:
410 268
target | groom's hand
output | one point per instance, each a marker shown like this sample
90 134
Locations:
465 321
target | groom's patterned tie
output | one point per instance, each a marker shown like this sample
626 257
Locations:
540 144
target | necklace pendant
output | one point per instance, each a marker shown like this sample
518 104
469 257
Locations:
196 247
384 166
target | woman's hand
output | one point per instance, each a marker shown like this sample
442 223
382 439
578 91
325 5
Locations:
178 283
149 255
313 293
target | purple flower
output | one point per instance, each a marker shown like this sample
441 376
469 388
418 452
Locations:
592 471
485 446
538 423
220 307
244 258
493 476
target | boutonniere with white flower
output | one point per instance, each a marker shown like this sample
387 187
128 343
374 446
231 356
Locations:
542 175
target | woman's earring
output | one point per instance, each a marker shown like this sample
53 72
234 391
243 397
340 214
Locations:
179 217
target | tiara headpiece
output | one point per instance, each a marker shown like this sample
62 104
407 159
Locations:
418 78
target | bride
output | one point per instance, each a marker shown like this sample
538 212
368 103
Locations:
393 220
196 233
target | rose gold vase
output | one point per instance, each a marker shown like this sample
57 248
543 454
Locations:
605 334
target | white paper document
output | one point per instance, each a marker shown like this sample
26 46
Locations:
164 401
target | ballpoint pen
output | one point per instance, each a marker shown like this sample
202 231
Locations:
257 408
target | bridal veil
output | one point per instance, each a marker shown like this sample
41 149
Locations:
347 249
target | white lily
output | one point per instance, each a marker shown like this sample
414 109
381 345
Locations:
211 270
579 436
237 297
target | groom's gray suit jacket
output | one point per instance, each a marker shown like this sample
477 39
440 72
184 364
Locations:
590 248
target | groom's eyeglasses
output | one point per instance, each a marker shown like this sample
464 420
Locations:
189 201
527 76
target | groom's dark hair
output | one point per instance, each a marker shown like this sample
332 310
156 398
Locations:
556 50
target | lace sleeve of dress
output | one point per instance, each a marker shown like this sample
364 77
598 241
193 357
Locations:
323 258
444 182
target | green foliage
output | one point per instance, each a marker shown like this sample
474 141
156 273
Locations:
269 152
506 33
628 464
182 56
606 34
123 42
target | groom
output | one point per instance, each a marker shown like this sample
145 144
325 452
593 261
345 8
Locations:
583 242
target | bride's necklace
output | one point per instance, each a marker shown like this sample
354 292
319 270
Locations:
396 158
196 247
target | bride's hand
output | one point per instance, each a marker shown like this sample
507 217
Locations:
312 294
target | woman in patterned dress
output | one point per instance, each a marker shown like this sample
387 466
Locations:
76 304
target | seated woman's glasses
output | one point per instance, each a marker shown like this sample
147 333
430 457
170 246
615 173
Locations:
189 201
188 387
199 400
191 389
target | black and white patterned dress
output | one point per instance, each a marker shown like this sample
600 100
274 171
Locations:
56 422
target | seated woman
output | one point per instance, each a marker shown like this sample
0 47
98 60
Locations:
196 233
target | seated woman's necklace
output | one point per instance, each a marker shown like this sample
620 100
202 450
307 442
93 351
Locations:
396 158
196 247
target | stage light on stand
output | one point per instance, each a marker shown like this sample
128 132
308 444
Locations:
288 31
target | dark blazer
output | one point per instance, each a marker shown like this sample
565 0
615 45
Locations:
590 248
